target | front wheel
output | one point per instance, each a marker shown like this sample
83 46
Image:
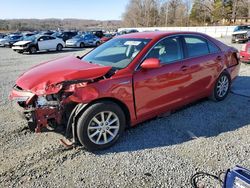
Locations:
59 47
221 87
32 50
98 43
100 125
82 45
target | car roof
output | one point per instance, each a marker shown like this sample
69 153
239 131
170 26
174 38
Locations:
155 34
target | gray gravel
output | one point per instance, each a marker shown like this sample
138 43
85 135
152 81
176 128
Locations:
165 152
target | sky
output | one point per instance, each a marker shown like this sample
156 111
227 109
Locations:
81 9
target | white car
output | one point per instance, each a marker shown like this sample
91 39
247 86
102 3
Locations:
36 43
241 33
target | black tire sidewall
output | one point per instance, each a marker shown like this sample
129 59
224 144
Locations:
215 95
32 52
82 45
59 47
87 115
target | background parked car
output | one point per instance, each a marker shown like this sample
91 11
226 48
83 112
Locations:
241 34
106 37
65 35
98 33
36 43
245 53
2 35
10 40
83 40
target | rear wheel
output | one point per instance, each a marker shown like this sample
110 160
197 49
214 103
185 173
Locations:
222 87
100 125
82 45
98 43
59 47
32 50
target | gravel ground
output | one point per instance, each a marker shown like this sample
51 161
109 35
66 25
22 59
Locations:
165 152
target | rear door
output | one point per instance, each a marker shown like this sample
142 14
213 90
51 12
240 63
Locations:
202 62
161 89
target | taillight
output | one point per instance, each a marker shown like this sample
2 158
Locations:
243 48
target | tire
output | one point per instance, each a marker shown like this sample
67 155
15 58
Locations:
33 50
91 130
98 43
82 45
59 47
221 87
20 52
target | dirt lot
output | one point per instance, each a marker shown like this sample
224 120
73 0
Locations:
164 152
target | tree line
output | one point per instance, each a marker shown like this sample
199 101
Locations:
153 13
54 24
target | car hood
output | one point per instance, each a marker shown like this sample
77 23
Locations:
22 42
239 32
73 40
43 79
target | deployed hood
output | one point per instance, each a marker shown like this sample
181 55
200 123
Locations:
240 32
22 42
41 77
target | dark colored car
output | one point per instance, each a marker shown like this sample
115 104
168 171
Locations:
13 39
2 35
123 82
97 33
123 32
65 35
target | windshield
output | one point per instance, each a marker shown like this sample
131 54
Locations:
56 34
77 36
15 37
117 53
30 38
240 28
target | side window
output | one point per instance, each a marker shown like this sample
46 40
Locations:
51 38
43 38
213 48
167 51
196 46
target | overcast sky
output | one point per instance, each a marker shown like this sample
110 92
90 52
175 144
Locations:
81 9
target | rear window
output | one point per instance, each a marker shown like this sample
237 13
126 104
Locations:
196 46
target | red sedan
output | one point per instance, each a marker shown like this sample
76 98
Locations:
123 82
245 53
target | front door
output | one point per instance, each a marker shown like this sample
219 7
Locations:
158 90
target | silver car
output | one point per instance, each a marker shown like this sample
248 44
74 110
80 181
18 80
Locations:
83 41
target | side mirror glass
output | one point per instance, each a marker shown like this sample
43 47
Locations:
151 63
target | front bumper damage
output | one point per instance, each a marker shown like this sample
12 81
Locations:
39 115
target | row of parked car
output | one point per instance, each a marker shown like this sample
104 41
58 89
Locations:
33 42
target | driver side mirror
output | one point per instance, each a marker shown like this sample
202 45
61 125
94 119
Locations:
151 63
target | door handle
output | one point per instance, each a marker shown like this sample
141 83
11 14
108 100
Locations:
184 68
219 58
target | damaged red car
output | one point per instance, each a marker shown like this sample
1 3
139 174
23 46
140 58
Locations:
123 82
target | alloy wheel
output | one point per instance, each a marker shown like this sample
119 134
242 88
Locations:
222 86
103 127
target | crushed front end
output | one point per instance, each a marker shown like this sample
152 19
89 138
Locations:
39 111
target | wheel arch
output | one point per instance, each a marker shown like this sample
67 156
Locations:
121 104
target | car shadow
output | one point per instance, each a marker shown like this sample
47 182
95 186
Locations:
204 118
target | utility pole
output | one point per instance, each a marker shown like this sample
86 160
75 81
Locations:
166 21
